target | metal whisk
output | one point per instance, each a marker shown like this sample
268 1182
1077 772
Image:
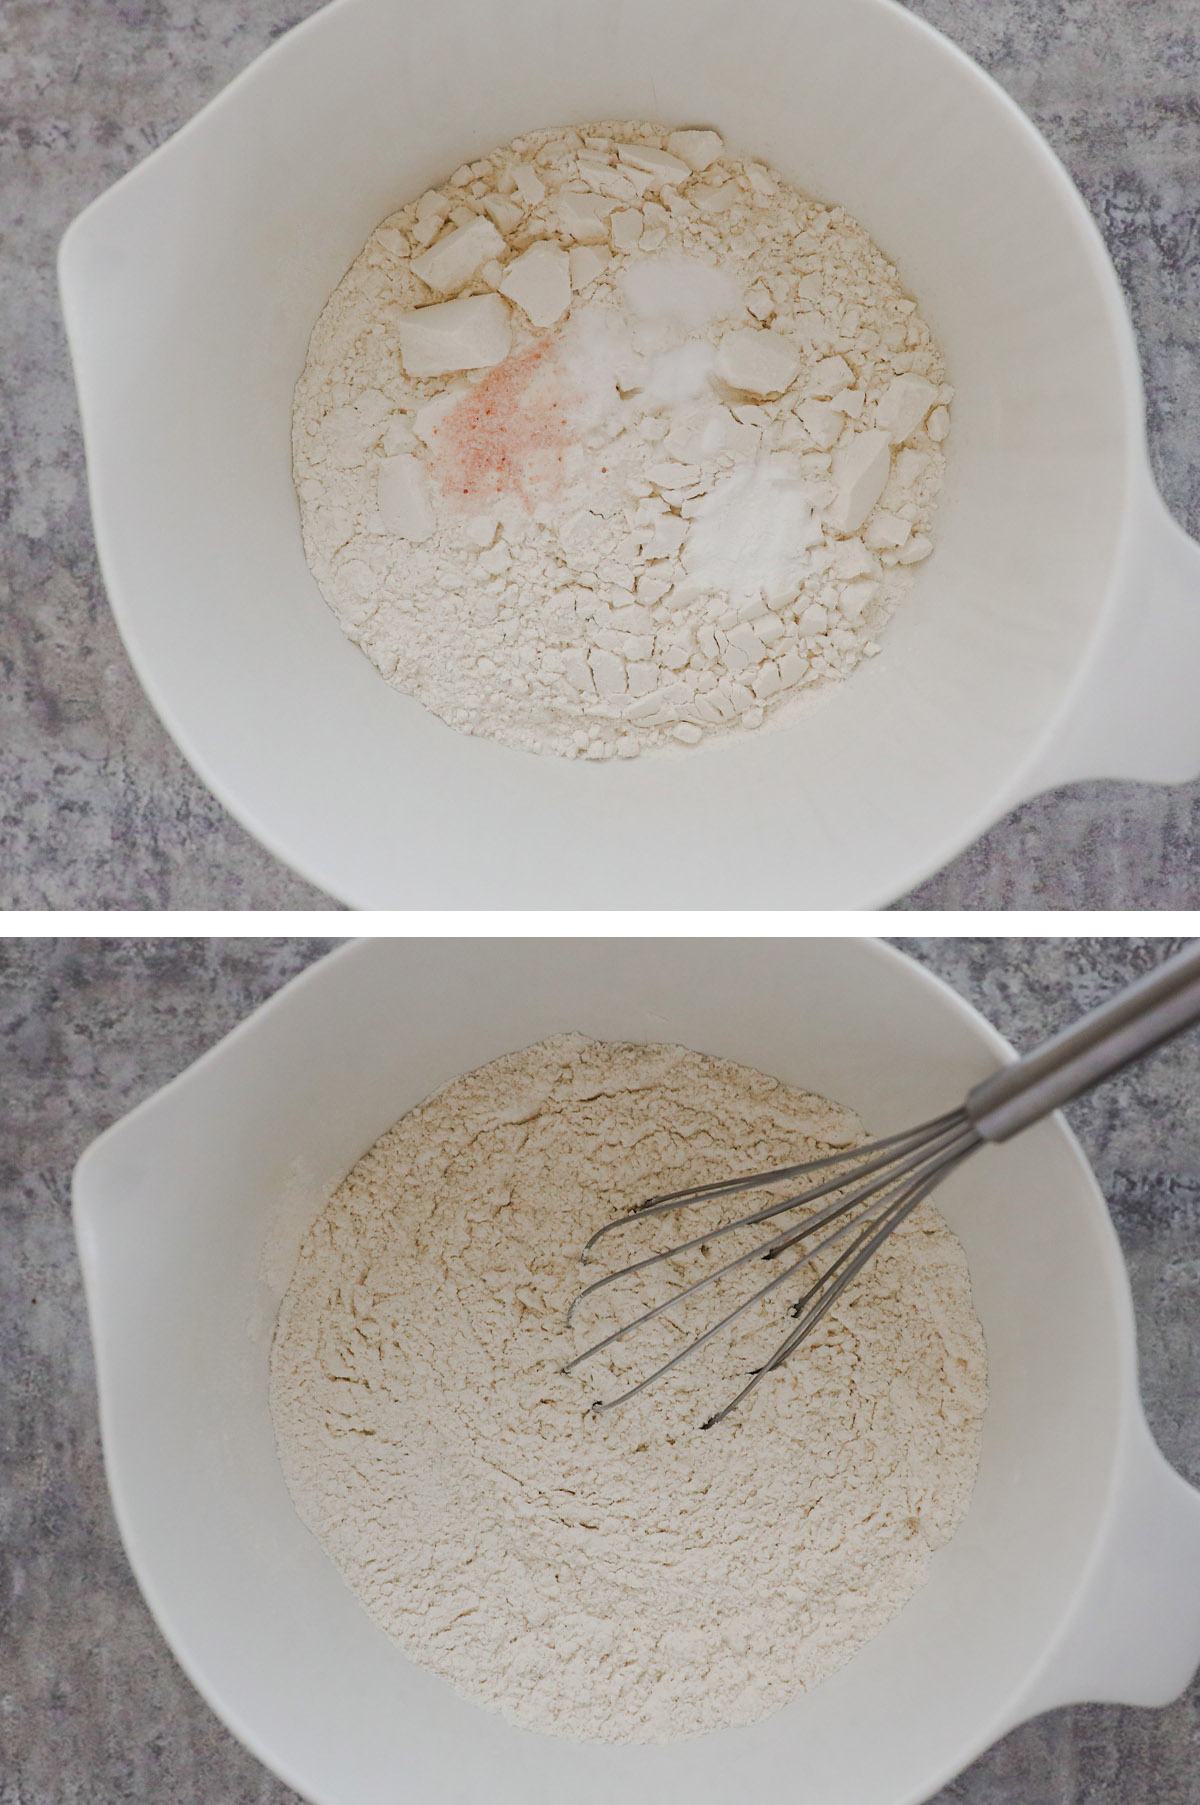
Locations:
873 1187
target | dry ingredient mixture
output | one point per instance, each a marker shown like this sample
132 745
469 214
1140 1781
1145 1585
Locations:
617 440
624 1577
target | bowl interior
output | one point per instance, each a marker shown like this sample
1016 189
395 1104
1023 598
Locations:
189 1214
190 291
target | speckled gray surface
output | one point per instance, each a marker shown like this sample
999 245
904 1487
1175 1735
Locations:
98 809
93 1709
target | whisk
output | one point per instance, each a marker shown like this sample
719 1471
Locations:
873 1187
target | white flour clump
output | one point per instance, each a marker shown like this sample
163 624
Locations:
624 1577
617 440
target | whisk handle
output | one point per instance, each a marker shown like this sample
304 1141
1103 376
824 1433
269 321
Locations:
1139 1018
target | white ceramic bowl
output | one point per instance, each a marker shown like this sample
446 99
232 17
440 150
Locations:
1055 634
1075 1575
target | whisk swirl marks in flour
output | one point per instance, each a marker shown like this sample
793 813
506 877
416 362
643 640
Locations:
555 407
622 1577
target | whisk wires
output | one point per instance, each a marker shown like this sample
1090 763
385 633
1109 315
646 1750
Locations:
880 1183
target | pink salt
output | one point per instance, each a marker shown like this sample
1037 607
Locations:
509 435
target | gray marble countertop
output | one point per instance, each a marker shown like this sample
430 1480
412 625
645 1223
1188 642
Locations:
97 807
93 1709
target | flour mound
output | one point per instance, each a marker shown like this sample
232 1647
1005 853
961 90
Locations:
603 447
624 1577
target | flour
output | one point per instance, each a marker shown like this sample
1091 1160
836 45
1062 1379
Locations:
553 408
622 1577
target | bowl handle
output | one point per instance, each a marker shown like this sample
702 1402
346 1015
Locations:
1135 711
1133 1634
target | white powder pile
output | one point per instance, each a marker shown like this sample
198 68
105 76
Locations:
626 1577
617 440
